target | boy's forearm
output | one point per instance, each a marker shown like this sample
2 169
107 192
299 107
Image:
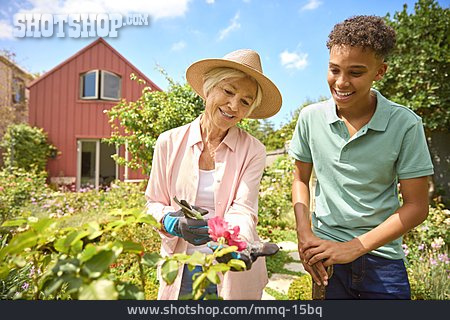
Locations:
300 199
412 213
404 219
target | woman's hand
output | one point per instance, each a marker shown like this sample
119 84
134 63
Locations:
331 252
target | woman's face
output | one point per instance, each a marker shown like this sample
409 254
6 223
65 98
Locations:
229 101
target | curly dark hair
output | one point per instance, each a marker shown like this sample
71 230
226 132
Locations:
367 32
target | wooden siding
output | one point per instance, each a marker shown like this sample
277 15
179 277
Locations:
55 104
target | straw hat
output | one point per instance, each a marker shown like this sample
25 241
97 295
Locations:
247 61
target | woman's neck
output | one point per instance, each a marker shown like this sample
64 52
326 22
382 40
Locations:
210 133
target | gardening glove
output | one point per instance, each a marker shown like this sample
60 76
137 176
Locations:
194 231
248 255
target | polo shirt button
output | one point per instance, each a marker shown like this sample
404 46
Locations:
345 149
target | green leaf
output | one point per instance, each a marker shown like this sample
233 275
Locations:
66 265
99 263
73 283
128 291
19 261
14 223
169 271
4 272
220 267
132 247
98 290
237 264
151 259
20 242
77 247
198 281
196 259
88 252
148 219
52 284
60 246
42 225
213 276
226 250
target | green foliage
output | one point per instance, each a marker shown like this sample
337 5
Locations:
264 131
419 66
70 262
26 147
301 288
427 250
277 295
275 201
276 234
139 123
210 270
17 187
275 263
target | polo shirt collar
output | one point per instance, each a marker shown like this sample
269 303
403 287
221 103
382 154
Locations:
195 135
379 120
330 111
381 116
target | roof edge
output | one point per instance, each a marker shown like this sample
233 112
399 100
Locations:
78 53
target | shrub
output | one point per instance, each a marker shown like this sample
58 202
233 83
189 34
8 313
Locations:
17 189
275 201
26 147
426 248
301 288
74 262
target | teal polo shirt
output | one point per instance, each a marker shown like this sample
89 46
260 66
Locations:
357 177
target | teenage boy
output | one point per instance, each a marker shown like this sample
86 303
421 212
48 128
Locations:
361 145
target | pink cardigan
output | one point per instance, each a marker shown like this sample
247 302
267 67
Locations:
240 160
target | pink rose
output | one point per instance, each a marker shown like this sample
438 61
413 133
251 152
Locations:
220 231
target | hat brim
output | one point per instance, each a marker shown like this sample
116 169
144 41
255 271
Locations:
271 96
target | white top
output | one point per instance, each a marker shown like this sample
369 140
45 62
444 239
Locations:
205 200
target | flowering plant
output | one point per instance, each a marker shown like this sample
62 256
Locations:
220 231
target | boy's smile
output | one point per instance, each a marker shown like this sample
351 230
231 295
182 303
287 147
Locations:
351 73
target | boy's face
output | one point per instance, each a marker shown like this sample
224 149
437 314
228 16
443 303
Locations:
351 72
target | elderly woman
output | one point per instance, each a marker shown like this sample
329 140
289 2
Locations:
214 165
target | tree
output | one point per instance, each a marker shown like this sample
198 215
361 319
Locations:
26 147
418 75
138 124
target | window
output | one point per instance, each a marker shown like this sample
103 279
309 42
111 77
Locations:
18 90
89 85
110 85
100 84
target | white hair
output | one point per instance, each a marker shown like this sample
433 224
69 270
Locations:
216 75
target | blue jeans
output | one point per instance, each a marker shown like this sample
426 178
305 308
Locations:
186 282
369 277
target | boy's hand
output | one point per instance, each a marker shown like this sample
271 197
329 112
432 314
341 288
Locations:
330 252
317 270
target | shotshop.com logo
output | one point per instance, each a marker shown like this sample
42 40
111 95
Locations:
77 25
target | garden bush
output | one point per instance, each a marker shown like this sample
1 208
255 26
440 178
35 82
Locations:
275 200
74 262
26 147
426 248
54 230
301 288
17 189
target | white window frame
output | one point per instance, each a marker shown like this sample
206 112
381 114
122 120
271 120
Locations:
102 82
97 162
94 97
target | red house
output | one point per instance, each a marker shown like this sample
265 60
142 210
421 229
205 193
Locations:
68 103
